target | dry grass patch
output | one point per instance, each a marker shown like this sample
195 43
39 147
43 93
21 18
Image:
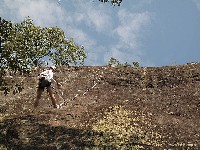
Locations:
121 129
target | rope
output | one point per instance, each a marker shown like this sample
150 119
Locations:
65 101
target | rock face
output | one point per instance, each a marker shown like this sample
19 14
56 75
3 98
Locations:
168 96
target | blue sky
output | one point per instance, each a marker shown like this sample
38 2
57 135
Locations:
152 32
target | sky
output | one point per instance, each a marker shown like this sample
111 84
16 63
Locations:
151 32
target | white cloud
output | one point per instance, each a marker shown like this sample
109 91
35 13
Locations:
97 56
92 16
101 21
130 26
45 12
128 33
80 19
80 37
197 2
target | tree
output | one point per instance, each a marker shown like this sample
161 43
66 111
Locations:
115 63
113 2
24 45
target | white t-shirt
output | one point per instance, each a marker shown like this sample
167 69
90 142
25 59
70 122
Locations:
48 74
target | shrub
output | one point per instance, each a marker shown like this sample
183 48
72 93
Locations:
115 63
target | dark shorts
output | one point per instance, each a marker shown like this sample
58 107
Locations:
43 84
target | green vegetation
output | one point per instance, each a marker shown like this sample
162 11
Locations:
114 62
24 46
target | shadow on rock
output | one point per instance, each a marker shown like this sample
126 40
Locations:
25 132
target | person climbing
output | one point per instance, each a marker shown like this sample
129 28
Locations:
45 79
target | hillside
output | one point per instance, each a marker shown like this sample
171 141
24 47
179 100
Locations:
107 108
